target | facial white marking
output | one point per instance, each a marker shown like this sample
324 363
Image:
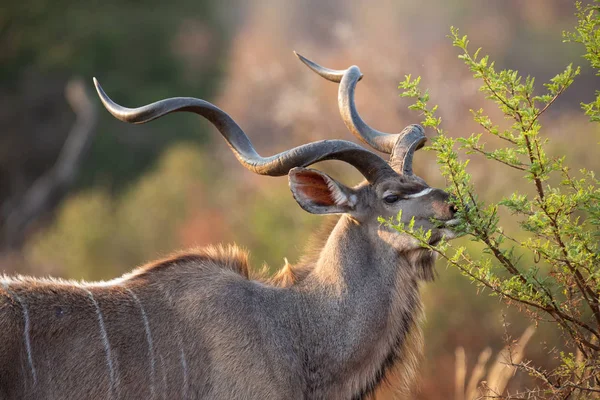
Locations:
422 193
148 339
26 329
105 341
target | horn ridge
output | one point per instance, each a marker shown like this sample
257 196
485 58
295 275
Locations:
411 139
401 146
368 163
348 79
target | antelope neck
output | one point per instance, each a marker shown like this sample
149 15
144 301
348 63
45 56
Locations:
366 297
354 258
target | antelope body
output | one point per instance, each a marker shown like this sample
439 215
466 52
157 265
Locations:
195 326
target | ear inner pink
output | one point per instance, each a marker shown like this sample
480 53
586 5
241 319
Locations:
313 186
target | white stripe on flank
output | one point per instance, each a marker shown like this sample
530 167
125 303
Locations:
178 335
26 330
164 376
185 370
422 193
105 342
148 339
23 372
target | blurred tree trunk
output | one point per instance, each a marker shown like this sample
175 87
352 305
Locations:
25 197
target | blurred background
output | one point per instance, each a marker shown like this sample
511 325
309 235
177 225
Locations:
85 196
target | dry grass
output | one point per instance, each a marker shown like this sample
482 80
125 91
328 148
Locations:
491 382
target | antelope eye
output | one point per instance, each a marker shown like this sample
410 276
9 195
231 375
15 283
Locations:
391 198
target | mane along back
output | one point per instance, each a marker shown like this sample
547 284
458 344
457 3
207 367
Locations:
291 274
230 257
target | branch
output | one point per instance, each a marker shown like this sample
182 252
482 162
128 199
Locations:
55 182
559 316
491 156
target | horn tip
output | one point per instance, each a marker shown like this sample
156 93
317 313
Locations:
329 74
98 87
303 59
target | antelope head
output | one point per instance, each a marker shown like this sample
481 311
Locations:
395 189
361 289
334 328
390 186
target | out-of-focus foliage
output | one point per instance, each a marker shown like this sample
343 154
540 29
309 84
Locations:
141 53
550 266
96 236
588 34
281 221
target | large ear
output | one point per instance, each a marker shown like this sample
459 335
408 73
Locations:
317 193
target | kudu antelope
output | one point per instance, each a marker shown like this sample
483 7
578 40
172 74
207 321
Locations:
335 326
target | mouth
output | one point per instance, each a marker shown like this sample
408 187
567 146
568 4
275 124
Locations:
435 239
446 231
446 223
434 242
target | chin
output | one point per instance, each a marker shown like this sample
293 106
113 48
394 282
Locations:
424 262
445 233
450 234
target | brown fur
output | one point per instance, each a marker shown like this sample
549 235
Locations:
332 327
291 274
65 298
338 325
58 310
287 276
230 257
402 380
